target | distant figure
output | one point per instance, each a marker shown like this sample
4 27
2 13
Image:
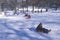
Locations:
46 10
41 29
27 16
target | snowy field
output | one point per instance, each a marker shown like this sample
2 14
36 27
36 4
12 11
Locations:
20 28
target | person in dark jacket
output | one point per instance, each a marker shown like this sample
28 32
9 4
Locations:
41 29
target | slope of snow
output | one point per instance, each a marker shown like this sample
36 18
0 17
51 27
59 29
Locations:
20 28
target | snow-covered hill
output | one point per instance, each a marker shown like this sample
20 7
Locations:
20 28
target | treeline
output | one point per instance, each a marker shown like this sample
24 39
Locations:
42 3
8 4
12 4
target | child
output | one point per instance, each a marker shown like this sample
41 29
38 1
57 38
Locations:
27 16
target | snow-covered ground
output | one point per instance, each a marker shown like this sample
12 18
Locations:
20 28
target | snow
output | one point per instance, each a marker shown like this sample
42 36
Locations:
20 28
